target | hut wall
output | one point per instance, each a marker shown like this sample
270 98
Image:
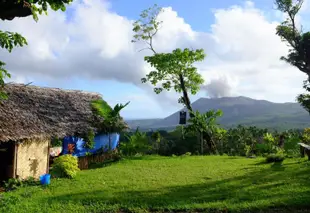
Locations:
32 158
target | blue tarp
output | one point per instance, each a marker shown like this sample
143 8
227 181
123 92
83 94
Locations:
101 141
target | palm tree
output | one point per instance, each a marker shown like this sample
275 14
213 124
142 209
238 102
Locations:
205 124
112 121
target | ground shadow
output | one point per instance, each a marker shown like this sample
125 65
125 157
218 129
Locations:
102 165
233 193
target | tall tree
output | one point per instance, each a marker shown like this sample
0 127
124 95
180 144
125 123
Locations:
298 41
173 70
10 9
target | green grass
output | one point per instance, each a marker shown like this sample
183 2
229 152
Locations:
209 184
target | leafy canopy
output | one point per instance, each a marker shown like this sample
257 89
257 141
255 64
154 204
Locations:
40 6
204 122
9 40
147 26
175 70
111 116
106 111
298 41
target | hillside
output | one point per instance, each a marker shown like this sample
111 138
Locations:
240 110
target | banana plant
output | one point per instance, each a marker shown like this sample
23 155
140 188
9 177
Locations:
111 116
205 124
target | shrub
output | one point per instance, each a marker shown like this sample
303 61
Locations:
12 184
291 147
56 142
136 143
272 158
65 166
188 153
89 140
30 181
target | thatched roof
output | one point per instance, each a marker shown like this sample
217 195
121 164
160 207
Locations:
32 111
9 9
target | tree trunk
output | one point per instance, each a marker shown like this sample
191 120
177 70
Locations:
201 142
185 97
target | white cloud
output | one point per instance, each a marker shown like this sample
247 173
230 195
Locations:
242 50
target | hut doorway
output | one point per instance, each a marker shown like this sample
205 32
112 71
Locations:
7 156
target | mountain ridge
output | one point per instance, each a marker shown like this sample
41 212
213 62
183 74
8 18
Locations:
240 110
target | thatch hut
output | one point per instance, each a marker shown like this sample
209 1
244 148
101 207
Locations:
30 117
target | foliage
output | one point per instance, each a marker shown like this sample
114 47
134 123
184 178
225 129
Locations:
8 41
299 43
173 184
275 158
89 140
268 146
12 184
238 141
136 143
204 123
291 147
175 71
147 26
306 136
156 138
65 166
41 6
242 140
56 142
172 70
112 121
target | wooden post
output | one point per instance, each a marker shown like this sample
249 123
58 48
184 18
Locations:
14 160
48 157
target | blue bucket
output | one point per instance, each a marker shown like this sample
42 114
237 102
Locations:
45 179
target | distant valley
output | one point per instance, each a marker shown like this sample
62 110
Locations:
238 110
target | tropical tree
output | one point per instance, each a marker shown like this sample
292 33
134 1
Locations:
136 143
205 124
173 70
21 8
112 121
298 41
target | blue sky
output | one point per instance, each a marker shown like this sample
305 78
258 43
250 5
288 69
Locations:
239 53
197 13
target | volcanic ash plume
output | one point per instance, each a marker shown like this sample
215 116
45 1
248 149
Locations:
218 88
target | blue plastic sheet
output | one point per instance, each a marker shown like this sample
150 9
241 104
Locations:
101 141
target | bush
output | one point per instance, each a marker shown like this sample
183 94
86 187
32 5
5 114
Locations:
65 166
56 142
136 143
291 146
30 181
12 184
272 158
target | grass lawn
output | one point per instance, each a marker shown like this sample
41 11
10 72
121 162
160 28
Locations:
204 184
